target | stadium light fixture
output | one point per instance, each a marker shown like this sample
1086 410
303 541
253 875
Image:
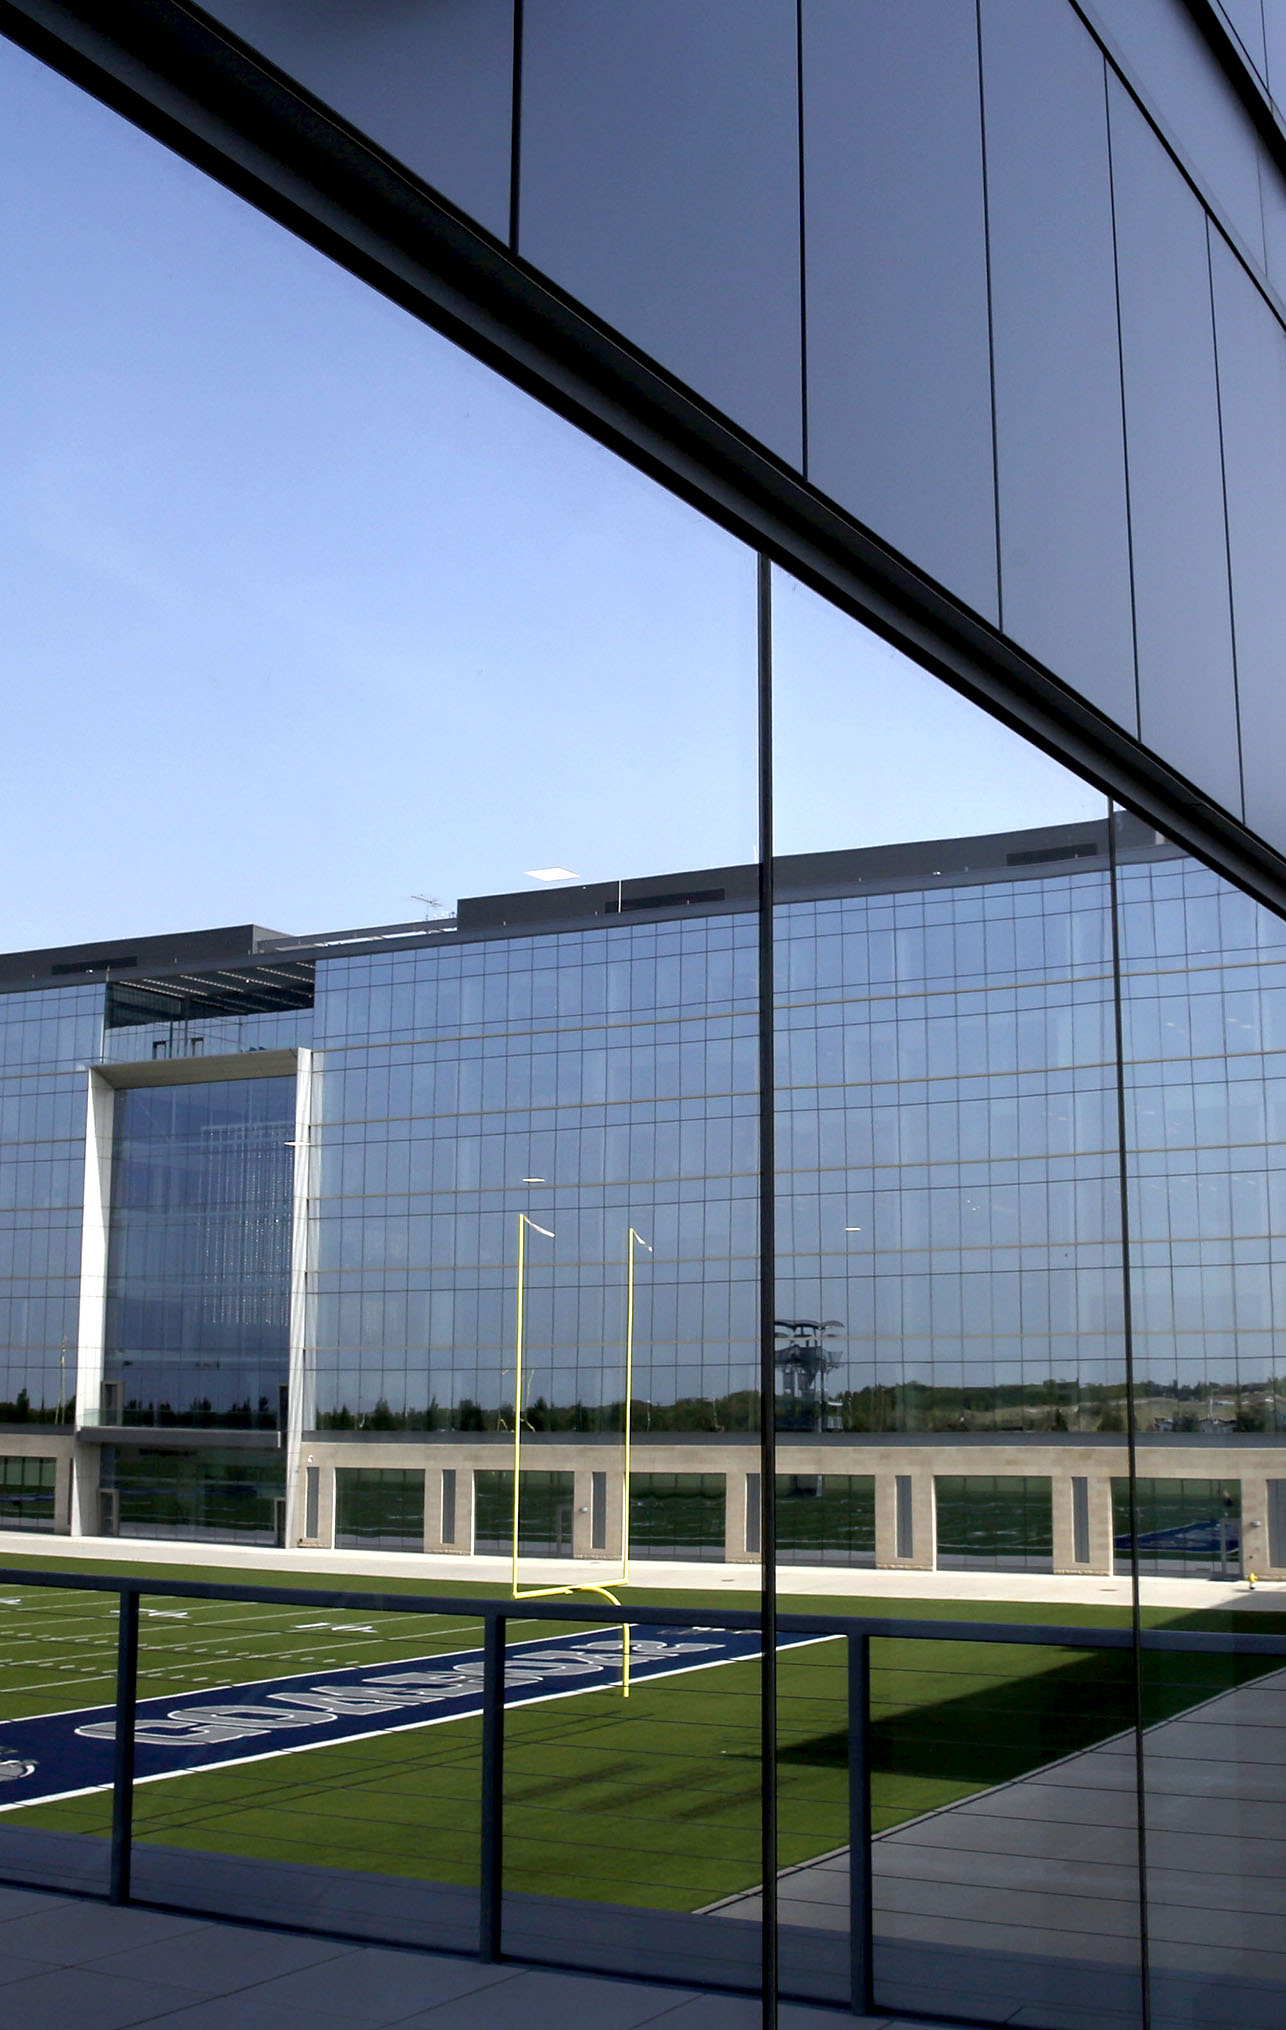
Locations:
634 1239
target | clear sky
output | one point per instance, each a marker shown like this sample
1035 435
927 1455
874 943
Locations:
305 614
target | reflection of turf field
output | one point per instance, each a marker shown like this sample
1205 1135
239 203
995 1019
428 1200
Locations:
654 1802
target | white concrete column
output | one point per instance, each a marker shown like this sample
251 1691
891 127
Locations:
1082 1517
96 1203
465 1511
736 1494
615 1511
64 1493
1254 1523
86 1471
433 1504
301 1394
1102 1533
582 1512
905 1519
326 1506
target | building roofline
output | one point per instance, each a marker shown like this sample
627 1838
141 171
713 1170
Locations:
1034 854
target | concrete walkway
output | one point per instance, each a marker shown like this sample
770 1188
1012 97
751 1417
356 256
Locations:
1030 1892
263 1564
68 1964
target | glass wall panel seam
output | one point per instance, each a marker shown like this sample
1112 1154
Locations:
767 1306
1120 372
991 326
1131 1454
1227 533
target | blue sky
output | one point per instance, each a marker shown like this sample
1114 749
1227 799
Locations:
305 613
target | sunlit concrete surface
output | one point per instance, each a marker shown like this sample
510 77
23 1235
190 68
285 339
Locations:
653 1574
1031 1889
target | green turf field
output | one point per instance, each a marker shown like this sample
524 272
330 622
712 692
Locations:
654 1802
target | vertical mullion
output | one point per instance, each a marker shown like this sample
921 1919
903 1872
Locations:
123 1759
491 1882
767 1311
860 1885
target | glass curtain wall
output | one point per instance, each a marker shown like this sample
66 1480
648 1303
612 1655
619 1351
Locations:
197 1321
950 1280
1203 993
411 675
389 645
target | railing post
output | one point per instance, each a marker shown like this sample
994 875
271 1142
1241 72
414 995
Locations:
860 1924
123 1763
491 1886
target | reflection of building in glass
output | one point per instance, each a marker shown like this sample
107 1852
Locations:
286 1218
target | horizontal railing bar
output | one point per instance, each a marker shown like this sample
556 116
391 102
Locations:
731 1620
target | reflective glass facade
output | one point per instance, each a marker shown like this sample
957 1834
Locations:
948 1169
911 1197
947 1153
46 1044
598 1080
199 1232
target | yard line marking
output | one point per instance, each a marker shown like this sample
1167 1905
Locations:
63 1755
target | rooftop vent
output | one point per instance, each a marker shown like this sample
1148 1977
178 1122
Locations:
1041 856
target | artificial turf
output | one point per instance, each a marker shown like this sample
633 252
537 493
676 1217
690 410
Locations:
654 1801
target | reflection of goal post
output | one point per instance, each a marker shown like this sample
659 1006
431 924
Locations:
551 1592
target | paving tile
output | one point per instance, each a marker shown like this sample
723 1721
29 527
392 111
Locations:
539 2001
74 1931
232 2012
742 2012
14 1969
218 1958
368 1987
69 1998
18 1902
711 2012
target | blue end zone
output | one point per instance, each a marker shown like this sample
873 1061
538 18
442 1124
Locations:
66 1754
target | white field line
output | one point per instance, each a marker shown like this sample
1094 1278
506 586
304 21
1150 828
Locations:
402 1727
332 1670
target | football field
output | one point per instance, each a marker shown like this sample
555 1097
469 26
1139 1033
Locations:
369 1757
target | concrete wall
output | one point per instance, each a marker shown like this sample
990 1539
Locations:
46 1442
917 1463
1006 283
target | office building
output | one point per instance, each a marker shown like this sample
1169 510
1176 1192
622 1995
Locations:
264 1192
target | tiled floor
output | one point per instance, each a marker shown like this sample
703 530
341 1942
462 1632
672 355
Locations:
69 1964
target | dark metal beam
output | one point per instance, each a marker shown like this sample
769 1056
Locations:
171 71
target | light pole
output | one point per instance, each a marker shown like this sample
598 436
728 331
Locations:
629 1397
524 1221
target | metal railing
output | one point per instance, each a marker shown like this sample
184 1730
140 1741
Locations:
857 1631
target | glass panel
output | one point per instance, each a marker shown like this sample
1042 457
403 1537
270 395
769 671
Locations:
57 1658
1006 1858
230 1816
229 1496
1203 987
950 1281
545 1505
197 1324
28 1486
681 1516
998 1521
380 1506
433 1204
826 1518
